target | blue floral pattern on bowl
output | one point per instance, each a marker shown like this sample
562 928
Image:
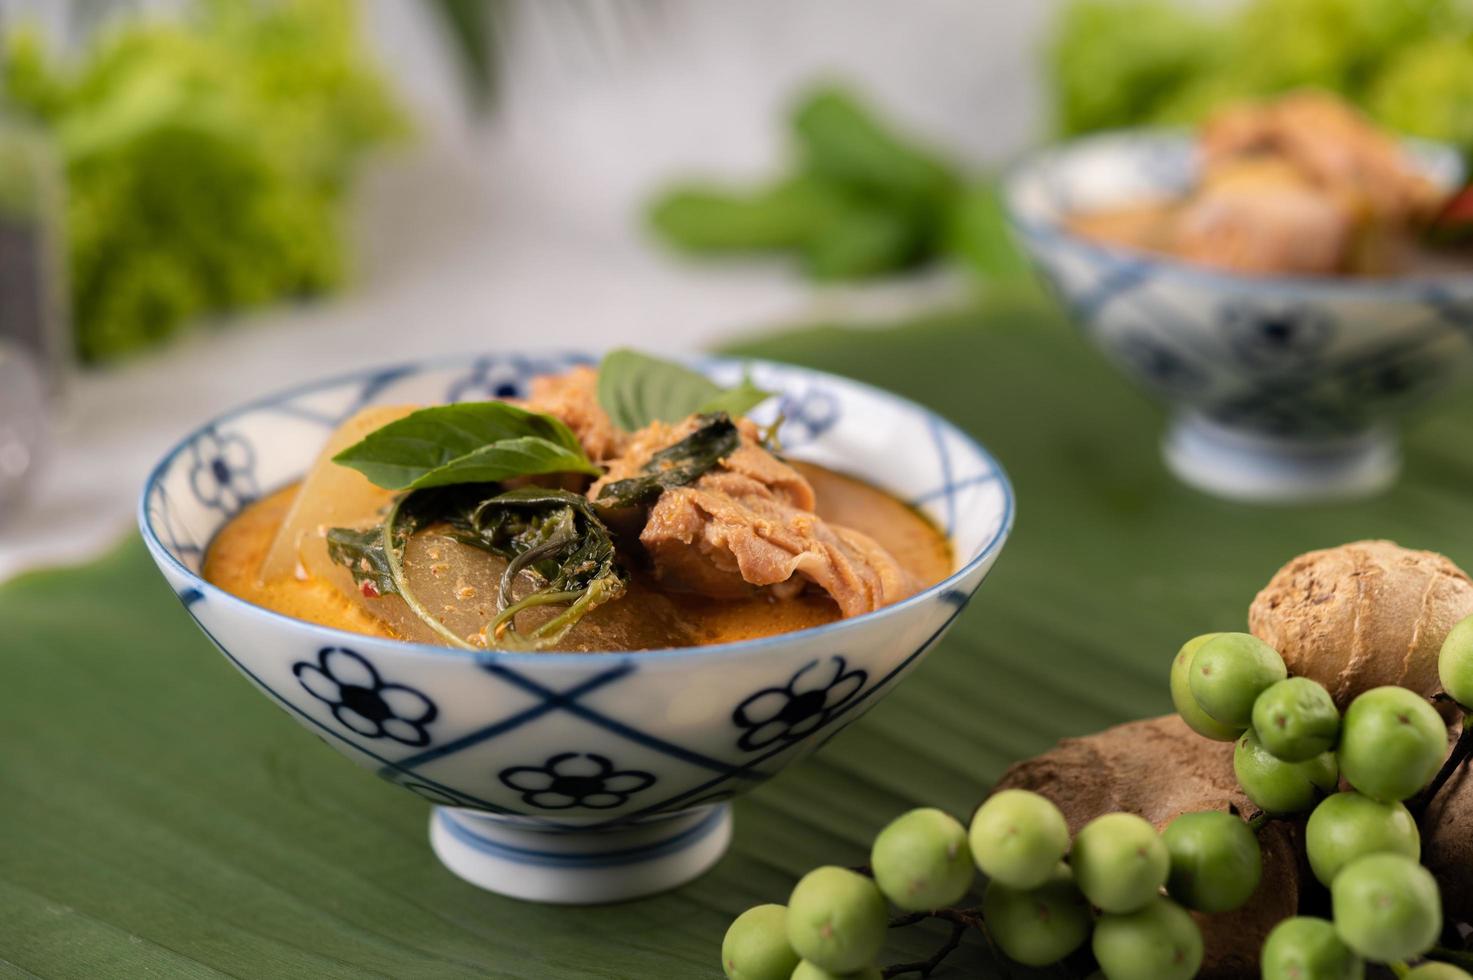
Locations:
222 474
362 702
576 779
803 704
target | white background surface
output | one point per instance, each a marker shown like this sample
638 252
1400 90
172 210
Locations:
525 232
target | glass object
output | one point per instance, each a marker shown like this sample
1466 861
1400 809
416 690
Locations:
22 422
33 313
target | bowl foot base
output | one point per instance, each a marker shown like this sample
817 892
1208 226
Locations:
566 866
1250 466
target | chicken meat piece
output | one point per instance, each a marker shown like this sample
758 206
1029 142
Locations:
1260 215
749 459
1332 146
1302 185
748 524
727 535
573 398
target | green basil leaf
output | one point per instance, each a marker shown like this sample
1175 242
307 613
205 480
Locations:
636 389
526 456
735 401
465 443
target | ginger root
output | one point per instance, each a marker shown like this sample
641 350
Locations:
1363 615
1159 768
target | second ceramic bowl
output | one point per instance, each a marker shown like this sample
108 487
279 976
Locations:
1282 388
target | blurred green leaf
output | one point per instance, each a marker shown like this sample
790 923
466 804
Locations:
1116 63
25 166
867 240
207 160
1334 44
978 234
471 28
840 140
705 218
1112 62
1427 90
859 201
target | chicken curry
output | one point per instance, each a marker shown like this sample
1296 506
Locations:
1303 186
561 529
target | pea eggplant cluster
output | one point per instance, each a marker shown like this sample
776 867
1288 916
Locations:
1293 750
1121 898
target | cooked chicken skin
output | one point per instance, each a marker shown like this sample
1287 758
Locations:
1259 214
1304 185
573 398
746 525
1330 146
749 524
728 534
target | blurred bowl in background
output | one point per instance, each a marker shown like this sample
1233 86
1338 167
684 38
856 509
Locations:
1282 388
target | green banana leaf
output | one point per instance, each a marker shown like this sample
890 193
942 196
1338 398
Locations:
160 818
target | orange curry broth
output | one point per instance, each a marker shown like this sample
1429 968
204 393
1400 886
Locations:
234 560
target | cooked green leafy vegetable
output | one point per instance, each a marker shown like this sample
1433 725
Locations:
469 442
1409 63
450 460
523 456
375 557
207 159
556 536
861 201
550 535
676 465
366 556
636 389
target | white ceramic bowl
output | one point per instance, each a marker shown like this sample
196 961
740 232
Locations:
577 777
1284 388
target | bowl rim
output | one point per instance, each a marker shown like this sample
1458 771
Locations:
338 637
1026 226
